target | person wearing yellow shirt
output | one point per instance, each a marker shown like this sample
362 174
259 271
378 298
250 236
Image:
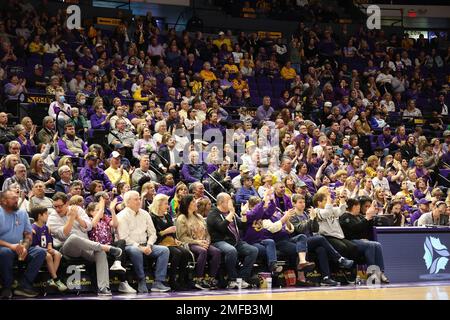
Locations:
287 72
115 172
231 67
206 72
36 46
372 164
222 40
144 93
239 83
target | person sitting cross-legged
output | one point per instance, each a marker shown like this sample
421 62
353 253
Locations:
69 226
358 229
307 224
223 226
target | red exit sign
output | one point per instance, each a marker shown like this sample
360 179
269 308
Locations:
412 13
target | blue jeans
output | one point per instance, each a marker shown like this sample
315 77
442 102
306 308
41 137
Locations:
161 253
268 248
35 259
372 251
242 248
292 246
324 251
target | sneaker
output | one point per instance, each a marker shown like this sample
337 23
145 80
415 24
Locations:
142 286
213 283
6 294
306 266
232 285
117 266
345 263
328 282
245 284
104 292
115 252
206 284
51 283
158 286
201 284
275 268
61 286
384 279
25 292
124 287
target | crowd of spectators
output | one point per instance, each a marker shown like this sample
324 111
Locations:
352 128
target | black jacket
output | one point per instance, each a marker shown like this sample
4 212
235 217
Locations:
218 227
6 136
215 188
355 227
304 225
408 151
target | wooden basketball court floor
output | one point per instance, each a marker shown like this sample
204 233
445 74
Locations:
405 291
415 291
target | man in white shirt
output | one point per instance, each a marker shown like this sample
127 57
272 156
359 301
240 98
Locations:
285 170
411 111
243 172
433 217
381 181
137 229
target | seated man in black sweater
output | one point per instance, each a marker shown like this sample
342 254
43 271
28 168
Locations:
358 228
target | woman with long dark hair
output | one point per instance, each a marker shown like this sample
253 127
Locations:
191 230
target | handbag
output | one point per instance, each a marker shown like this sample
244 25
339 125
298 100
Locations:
169 241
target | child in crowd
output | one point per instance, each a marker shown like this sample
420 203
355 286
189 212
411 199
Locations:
103 226
43 238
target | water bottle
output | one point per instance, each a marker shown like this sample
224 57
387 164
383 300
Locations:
269 283
358 280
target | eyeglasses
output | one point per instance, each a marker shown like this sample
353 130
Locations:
59 205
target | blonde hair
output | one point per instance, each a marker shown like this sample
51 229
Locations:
371 160
154 207
76 201
34 162
421 143
8 160
63 162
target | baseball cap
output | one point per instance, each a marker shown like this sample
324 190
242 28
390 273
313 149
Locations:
328 104
119 146
221 33
199 141
446 133
387 128
301 184
115 154
37 66
244 168
424 201
249 144
347 147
